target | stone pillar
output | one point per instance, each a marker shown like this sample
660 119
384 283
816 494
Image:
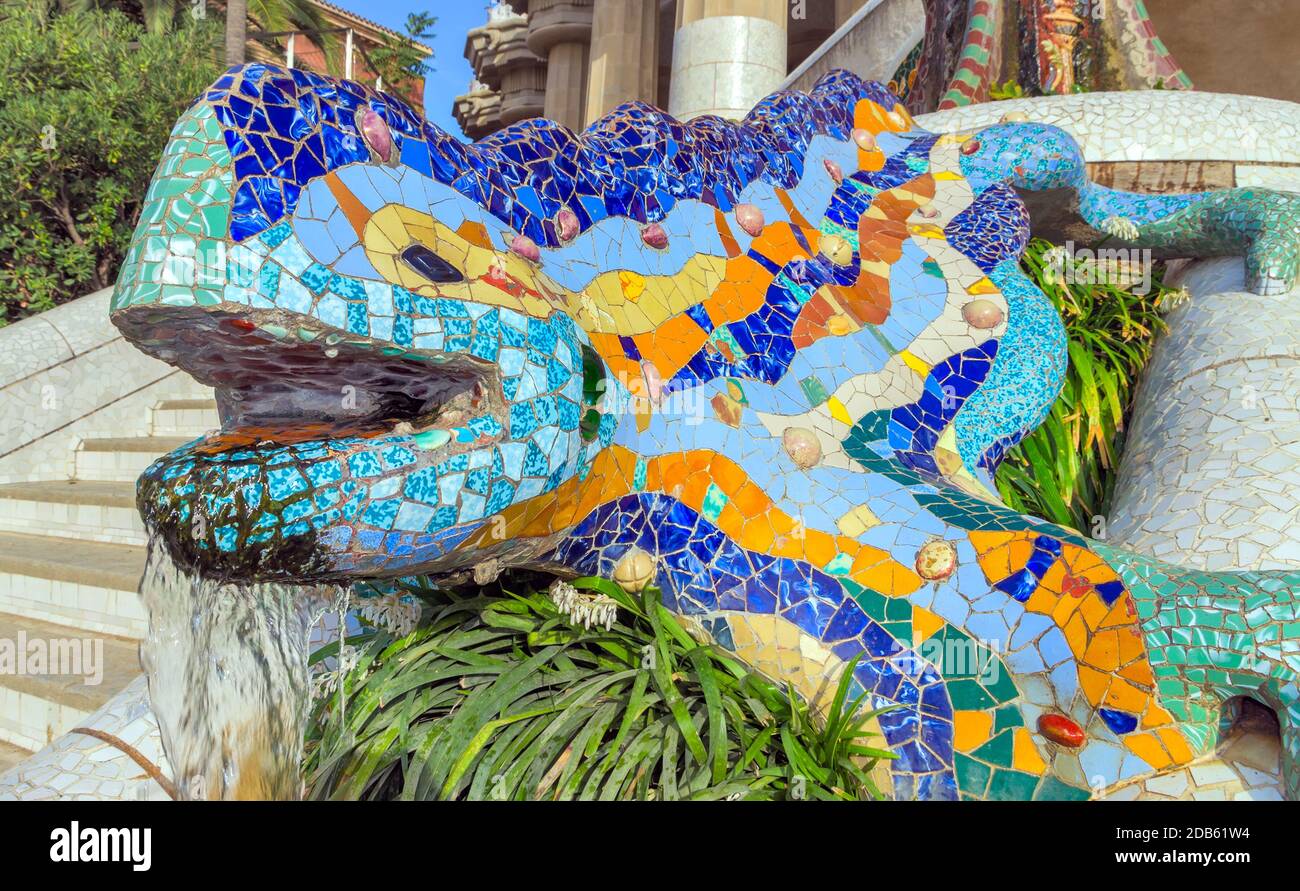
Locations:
499 55
844 9
624 55
1210 476
727 55
560 31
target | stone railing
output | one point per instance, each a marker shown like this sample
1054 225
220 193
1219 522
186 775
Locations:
872 43
66 371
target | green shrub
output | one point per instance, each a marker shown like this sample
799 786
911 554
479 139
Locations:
87 101
499 696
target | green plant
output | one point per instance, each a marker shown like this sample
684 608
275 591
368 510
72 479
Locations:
401 61
87 101
1065 470
1008 90
498 696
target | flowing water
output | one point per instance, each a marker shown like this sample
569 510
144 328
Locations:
227 667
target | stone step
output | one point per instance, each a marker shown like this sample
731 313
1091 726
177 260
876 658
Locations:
184 417
87 585
88 510
122 458
80 673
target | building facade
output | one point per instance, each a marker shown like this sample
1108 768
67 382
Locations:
575 60
354 38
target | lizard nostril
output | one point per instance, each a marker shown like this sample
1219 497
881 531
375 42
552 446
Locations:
430 265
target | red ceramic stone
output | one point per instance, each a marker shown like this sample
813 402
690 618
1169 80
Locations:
970 146
1061 730
655 236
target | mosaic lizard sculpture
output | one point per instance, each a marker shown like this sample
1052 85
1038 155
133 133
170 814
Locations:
768 367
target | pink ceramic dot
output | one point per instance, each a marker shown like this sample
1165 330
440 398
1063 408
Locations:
834 170
982 314
566 225
750 218
864 139
374 130
526 248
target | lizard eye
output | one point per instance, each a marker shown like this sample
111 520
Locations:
430 265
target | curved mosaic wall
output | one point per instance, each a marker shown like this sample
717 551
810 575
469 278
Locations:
768 368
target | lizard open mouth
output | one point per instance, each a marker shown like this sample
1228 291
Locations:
280 386
317 426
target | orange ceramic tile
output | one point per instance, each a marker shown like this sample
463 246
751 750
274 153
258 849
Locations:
971 729
1156 716
925 625
751 499
1093 609
1094 684
1124 696
791 210
729 244
1102 652
1139 672
1149 748
1176 745
1024 754
476 234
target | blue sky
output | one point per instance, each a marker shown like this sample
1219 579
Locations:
451 75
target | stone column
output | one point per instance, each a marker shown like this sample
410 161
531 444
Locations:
560 31
499 54
727 55
624 55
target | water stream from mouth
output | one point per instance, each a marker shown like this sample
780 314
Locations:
228 678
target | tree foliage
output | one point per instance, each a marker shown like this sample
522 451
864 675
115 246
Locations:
402 61
87 101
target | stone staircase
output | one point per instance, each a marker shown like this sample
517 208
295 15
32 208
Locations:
71 555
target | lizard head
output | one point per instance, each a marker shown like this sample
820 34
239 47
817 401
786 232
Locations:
389 373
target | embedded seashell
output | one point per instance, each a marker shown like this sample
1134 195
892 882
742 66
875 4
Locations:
834 169
836 249
634 570
526 248
864 139
566 225
750 218
803 446
982 314
374 130
936 560
655 236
